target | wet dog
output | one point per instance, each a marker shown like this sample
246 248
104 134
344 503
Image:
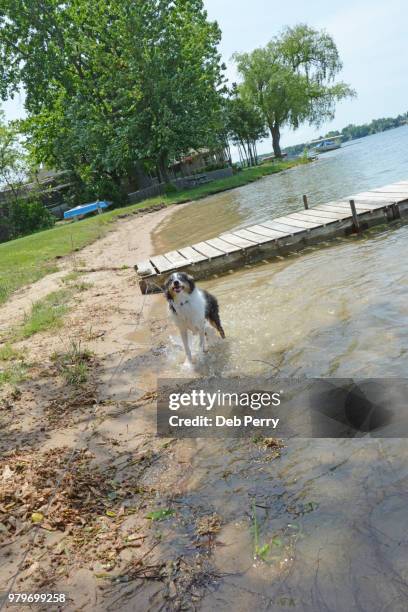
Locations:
191 309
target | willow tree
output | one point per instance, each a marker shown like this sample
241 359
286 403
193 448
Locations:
292 79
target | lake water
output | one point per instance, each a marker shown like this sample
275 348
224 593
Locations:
334 513
335 311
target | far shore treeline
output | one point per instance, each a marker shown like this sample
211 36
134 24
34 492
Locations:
117 93
351 132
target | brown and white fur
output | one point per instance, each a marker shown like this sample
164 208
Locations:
191 308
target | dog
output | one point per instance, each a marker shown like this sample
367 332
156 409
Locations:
191 308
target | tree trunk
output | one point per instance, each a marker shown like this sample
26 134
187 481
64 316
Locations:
274 128
251 157
245 154
162 166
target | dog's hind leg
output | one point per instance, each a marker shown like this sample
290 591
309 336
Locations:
203 341
184 337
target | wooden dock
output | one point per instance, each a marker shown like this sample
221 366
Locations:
278 236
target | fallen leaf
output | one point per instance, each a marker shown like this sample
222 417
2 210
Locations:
7 473
33 568
37 517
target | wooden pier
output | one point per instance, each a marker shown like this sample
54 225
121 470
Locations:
279 236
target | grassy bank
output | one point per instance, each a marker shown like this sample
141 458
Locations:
28 259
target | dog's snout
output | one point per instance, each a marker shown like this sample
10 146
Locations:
176 283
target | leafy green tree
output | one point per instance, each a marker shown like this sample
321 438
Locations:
111 83
291 80
246 126
21 211
13 166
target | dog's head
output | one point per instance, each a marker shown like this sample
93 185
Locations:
178 283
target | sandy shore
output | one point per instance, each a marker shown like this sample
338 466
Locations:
62 444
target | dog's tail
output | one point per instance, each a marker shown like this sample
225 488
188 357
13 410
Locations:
215 322
221 329
212 314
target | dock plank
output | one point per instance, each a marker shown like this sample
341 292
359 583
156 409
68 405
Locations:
328 213
222 245
177 259
343 212
252 236
372 196
371 204
236 240
162 263
265 231
284 228
206 249
346 206
144 268
314 217
292 220
193 255
391 189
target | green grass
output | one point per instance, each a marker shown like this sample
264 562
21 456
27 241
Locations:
12 367
47 313
71 276
74 364
9 353
13 374
28 259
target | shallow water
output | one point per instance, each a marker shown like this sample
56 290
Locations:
340 310
338 507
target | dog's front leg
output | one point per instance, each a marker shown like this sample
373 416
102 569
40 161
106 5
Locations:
184 337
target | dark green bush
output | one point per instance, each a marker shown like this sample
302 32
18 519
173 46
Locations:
25 216
170 188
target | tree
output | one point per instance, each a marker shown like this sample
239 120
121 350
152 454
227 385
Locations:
246 126
111 83
13 159
291 80
21 211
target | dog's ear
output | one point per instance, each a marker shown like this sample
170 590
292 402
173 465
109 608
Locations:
166 289
191 282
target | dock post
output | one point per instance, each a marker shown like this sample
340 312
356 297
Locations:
354 215
395 210
306 205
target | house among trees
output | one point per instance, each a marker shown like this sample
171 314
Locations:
202 160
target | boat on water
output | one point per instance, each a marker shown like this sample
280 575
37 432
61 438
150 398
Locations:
326 144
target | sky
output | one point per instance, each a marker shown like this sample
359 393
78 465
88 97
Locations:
370 36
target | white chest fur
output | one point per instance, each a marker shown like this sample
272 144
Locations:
188 310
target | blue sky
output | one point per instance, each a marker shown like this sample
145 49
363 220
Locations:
370 35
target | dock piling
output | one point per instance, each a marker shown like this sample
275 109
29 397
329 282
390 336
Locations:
356 222
395 210
305 202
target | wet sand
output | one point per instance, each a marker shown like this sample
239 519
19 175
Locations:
110 415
